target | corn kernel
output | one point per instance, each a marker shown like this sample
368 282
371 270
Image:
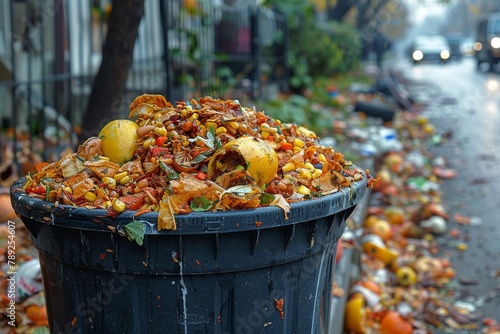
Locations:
298 143
264 135
309 166
305 174
119 176
111 182
189 108
231 130
303 190
234 125
194 116
148 142
185 143
160 131
184 113
288 167
296 149
220 130
90 197
303 130
124 180
264 127
243 127
209 125
106 204
143 183
321 158
317 173
118 205
68 190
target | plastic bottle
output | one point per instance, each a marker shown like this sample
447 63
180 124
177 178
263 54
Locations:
28 279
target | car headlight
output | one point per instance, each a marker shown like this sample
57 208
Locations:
445 54
495 42
417 55
478 46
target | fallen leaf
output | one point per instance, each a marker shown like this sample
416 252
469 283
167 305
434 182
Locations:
461 219
444 173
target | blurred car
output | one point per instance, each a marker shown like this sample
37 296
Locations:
430 48
454 41
487 46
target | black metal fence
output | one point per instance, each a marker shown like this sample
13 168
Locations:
50 51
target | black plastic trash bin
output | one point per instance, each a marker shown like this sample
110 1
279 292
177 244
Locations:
219 272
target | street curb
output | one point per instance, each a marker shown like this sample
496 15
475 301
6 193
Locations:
347 271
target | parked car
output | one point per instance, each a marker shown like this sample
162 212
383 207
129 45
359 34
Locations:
487 46
432 48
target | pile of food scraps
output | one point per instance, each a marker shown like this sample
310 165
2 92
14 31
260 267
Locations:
205 154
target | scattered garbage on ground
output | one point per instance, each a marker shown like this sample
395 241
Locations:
406 284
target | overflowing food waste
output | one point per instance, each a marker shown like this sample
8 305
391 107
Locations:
205 154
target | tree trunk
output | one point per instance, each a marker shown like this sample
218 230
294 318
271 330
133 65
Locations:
338 12
117 53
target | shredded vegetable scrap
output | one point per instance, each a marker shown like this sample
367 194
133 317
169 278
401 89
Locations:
200 155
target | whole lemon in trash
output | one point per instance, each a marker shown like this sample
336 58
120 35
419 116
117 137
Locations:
118 139
254 155
355 320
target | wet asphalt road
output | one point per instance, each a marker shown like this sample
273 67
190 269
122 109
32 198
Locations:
464 103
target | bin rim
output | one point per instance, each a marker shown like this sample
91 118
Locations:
192 223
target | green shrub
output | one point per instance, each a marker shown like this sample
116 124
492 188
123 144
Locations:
301 111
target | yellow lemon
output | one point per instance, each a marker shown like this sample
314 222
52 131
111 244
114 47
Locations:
254 155
118 139
355 314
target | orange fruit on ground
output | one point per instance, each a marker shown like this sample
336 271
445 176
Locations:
37 315
372 286
383 229
370 220
383 177
118 139
394 323
394 214
355 315
394 162
390 190
6 210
